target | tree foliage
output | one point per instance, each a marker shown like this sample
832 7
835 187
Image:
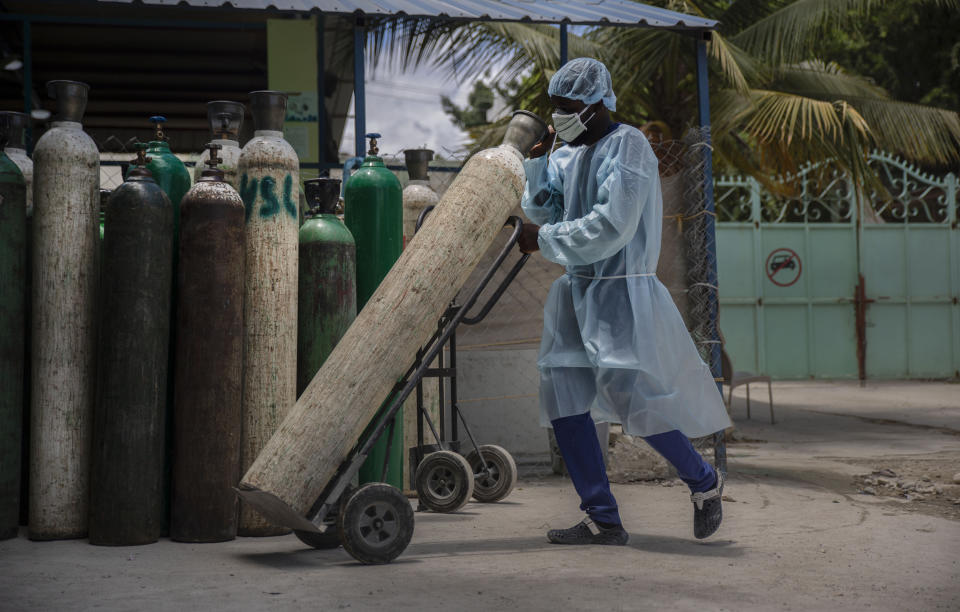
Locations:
790 80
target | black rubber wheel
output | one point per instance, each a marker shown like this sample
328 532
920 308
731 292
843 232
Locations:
501 473
375 523
325 540
444 481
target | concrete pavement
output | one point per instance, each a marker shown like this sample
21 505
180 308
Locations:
797 535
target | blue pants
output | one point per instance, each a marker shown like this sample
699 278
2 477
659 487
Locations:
577 439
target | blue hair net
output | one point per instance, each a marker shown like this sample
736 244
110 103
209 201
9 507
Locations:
584 79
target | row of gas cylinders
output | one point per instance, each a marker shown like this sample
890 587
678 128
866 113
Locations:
159 359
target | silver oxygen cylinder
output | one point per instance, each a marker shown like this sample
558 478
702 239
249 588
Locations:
226 119
269 186
65 278
417 195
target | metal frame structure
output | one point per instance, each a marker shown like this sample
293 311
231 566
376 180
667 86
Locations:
412 382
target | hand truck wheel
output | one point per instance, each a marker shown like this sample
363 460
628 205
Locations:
444 481
501 473
324 540
375 523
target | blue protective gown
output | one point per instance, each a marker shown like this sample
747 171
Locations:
600 211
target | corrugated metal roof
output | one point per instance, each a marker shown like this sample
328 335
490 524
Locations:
584 12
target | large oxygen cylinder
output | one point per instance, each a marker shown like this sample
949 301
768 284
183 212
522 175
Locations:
209 361
13 244
327 293
65 278
373 212
129 419
16 150
174 179
269 183
331 415
417 196
226 119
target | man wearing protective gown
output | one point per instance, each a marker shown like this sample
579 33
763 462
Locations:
614 347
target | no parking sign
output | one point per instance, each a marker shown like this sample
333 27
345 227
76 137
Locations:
783 267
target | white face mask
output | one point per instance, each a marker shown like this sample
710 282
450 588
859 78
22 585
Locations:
569 127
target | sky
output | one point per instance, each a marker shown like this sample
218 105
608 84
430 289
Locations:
405 108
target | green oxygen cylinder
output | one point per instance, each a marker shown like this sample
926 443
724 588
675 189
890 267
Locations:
13 252
327 291
129 417
373 212
16 150
167 170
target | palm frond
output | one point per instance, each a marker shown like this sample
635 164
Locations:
789 34
787 117
736 66
923 134
823 80
467 50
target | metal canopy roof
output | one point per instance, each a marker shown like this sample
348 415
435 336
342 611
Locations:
574 12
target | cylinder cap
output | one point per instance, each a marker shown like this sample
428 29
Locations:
71 97
226 119
322 194
269 109
524 130
13 126
418 162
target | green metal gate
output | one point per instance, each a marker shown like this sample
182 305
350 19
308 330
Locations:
806 290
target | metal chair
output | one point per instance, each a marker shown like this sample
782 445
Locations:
736 379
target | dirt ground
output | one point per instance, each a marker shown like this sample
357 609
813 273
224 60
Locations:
801 531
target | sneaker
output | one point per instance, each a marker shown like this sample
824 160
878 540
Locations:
707 510
588 532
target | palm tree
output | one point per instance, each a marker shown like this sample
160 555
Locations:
775 103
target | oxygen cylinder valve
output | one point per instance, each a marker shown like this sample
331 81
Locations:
214 159
158 121
373 143
140 163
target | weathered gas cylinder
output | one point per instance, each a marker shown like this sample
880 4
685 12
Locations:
327 293
13 245
209 361
174 179
226 119
328 419
65 277
269 182
417 195
373 212
16 150
129 418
